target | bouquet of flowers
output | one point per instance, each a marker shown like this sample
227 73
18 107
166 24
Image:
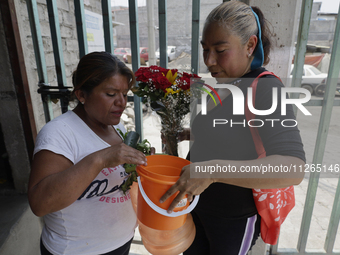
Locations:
169 94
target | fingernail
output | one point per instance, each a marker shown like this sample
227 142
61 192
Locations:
161 201
169 211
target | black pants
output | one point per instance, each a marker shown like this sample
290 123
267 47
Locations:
219 236
123 250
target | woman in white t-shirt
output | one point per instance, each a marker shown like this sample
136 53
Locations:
77 168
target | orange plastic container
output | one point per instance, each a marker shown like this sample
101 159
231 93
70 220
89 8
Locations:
156 178
134 194
168 242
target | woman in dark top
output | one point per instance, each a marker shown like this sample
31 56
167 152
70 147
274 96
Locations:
236 43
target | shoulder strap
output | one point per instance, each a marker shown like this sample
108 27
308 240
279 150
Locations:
261 152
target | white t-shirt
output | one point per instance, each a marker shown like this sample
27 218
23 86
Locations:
102 219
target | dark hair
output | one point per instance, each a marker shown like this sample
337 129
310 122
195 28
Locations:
94 68
238 18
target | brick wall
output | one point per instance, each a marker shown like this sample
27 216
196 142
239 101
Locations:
69 44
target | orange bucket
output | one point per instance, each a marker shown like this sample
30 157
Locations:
154 180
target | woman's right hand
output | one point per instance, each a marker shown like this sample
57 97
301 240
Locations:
119 154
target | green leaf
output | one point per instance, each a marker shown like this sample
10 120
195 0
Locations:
129 168
131 138
122 134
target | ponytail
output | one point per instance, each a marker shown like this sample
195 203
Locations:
265 35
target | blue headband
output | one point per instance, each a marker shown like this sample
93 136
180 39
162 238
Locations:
259 55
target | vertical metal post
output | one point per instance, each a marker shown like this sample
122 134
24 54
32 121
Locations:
195 35
151 32
302 39
134 37
321 138
163 34
81 27
333 222
107 23
39 53
134 34
57 49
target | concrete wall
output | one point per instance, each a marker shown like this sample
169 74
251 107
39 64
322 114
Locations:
322 27
321 32
179 24
281 14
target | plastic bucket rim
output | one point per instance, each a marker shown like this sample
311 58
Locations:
141 168
153 176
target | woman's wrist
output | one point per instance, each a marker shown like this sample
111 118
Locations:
97 161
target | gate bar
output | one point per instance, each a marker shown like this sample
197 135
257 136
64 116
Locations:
333 222
57 49
39 53
302 39
81 27
305 16
163 34
319 102
107 24
134 37
195 35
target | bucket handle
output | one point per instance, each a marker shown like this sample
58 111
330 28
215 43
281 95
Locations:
161 210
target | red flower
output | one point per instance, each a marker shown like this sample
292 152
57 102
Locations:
156 69
143 74
156 76
184 81
190 75
162 83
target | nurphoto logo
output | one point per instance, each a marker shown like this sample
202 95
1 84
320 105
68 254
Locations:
239 104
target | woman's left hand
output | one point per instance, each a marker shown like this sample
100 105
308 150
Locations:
186 186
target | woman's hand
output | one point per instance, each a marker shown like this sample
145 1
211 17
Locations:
119 154
186 186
